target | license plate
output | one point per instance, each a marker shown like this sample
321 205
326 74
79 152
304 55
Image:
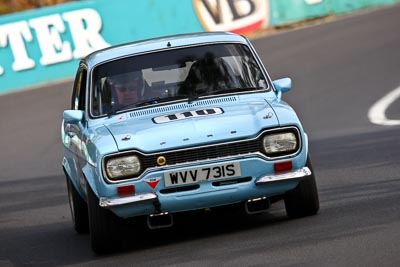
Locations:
196 175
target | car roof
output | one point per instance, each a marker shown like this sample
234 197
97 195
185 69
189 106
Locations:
160 43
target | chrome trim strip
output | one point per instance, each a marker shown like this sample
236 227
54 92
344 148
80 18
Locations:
165 167
113 202
303 172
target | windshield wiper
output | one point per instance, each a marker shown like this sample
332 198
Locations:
193 98
156 100
147 102
224 91
237 89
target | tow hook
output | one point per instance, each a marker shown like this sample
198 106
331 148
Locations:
257 205
160 220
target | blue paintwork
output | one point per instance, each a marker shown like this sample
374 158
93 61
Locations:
244 117
195 130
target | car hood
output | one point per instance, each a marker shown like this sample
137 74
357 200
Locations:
192 126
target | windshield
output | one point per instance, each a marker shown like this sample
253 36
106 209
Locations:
186 73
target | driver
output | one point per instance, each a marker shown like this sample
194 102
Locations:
128 88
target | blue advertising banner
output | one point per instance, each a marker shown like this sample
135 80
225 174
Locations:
284 12
44 45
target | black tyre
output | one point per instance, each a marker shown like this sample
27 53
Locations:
79 209
303 200
104 234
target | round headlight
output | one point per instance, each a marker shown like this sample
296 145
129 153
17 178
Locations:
123 167
280 143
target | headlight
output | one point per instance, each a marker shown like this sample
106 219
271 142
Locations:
277 144
123 167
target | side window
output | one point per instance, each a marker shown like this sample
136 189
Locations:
78 95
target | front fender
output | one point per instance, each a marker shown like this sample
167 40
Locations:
92 178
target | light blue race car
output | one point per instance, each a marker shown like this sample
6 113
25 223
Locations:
180 123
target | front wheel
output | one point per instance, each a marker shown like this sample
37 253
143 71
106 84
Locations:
79 209
104 232
303 200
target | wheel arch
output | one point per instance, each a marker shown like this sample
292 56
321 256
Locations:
89 177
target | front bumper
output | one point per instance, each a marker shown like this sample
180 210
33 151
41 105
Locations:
303 172
151 197
115 202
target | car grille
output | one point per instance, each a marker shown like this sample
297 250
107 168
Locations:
203 153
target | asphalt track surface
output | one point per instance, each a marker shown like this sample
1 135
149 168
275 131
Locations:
339 70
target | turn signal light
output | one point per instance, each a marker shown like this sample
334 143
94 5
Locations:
283 166
126 190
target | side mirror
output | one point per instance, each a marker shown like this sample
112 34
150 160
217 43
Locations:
73 116
282 86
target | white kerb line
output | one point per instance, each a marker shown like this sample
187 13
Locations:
377 113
